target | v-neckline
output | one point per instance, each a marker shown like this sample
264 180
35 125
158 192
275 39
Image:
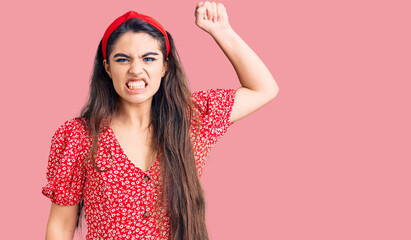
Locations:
150 169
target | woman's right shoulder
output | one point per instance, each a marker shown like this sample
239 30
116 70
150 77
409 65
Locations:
73 126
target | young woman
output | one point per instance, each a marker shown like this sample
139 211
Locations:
135 155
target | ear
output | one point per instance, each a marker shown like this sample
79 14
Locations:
107 67
165 67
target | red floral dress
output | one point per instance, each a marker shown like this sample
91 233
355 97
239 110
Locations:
119 203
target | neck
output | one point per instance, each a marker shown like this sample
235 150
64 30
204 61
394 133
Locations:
135 116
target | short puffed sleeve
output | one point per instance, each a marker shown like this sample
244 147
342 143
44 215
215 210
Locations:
215 111
66 170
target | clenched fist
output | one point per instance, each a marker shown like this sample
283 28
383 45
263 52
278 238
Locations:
211 17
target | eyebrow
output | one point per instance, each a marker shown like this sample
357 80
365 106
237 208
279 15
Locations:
144 55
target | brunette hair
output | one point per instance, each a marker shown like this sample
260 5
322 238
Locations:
171 114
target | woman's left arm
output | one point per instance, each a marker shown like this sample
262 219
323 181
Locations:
258 85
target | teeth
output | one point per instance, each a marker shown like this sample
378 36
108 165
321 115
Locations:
136 84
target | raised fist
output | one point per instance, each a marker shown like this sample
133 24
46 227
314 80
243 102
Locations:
211 17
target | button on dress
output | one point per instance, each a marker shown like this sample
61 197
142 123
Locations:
119 203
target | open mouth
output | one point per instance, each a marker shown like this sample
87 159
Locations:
140 84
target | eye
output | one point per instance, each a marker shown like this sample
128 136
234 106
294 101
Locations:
121 60
149 59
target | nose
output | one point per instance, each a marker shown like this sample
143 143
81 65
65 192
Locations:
136 67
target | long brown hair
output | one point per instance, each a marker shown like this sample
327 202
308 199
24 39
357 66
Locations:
182 193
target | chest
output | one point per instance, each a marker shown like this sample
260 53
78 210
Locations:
136 147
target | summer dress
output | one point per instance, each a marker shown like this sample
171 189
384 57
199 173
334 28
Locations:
119 203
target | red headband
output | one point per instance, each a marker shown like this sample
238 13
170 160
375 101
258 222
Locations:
125 17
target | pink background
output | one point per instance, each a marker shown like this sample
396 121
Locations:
328 158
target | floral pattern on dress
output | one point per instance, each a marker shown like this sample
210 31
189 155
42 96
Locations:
119 203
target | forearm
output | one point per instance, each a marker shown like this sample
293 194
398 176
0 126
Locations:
251 71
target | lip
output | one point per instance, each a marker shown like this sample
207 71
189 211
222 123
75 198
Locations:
136 79
139 90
